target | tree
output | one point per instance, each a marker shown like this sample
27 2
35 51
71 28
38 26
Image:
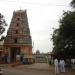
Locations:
73 3
64 36
2 38
2 24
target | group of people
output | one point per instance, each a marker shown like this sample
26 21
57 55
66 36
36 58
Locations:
59 65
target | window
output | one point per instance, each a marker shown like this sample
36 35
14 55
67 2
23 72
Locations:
15 40
17 24
16 31
18 19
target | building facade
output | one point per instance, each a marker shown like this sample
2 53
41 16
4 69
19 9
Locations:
1 51
18 42
41 57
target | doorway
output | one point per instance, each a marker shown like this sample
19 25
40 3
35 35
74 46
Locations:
14 51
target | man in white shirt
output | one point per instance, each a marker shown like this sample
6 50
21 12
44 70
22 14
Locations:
62 65
56 64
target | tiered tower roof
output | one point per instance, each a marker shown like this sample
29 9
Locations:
19 32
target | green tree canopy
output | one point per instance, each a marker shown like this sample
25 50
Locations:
2 24
64 36
73 3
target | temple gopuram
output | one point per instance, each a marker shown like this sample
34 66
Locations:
18 42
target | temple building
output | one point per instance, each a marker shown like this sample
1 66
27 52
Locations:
18 41
1 50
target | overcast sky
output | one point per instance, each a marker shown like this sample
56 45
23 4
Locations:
43 16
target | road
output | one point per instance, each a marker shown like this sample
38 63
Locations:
34 69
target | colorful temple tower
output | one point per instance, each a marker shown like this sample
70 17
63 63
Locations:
18 41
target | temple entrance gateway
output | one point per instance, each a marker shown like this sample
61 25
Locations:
18 42
14 52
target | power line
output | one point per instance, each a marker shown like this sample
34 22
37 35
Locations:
45 4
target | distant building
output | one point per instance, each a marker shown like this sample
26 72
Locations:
41 57
18 41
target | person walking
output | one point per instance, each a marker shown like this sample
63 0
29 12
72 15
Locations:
56 64
62 65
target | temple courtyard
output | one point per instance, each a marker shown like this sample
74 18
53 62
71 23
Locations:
34 69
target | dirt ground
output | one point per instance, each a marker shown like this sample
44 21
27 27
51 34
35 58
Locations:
34 69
